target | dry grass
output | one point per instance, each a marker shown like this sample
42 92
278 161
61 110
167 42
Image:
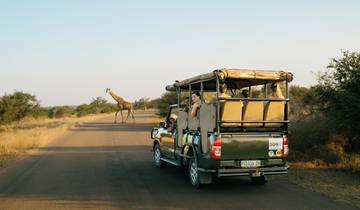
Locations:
17 139
336 181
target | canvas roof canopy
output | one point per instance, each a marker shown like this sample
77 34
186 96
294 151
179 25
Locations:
234 78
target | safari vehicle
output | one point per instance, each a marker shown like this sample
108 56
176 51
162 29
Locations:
230 136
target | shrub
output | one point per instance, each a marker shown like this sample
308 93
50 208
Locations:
142 103
338 90
61 111
166 99
16 106
82 110
307 136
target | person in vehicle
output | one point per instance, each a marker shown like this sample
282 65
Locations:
195 100
223 89
222 94
185 104
173 122
276 90
245 93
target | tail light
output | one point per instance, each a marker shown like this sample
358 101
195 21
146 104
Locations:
286 146
215 151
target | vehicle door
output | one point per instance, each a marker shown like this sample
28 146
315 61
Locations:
167 139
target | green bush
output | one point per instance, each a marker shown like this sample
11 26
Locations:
338 90
16 106
98 105
61 111
142 103
166 99
324 118
82 110
41 112
307 137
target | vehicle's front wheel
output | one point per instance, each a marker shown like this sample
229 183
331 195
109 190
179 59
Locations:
194 173
157 157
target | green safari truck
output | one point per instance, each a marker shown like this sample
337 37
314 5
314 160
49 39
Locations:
229 122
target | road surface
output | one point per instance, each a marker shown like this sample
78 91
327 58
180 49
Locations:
100 165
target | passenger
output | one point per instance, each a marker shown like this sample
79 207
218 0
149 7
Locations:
245 93
276 90
173 122
196 100
185 104
222 94
223 89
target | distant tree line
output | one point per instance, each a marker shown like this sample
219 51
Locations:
18 105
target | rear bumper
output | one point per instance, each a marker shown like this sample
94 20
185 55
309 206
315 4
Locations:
276 170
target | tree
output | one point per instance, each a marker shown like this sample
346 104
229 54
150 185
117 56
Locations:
338 90
166 99
16 106
142 103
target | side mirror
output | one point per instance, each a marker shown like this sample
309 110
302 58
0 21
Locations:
153 133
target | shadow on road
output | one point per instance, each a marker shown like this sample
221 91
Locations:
106 126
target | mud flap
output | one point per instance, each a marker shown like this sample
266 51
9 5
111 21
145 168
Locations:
205 178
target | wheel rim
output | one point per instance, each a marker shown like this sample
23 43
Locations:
157 156
193 173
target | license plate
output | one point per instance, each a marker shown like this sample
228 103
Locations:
250 163
275 143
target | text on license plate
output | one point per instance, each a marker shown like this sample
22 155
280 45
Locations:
250 163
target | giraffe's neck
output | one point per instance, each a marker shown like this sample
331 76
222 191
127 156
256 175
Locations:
117 98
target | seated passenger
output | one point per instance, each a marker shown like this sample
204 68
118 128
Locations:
222 94
276 90
185 104
223 89
173 122
245 93
196 100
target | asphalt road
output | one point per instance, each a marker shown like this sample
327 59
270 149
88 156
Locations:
100 165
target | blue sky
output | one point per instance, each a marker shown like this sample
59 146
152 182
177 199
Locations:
66 52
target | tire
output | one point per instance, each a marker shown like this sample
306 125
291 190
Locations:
194 175
157 157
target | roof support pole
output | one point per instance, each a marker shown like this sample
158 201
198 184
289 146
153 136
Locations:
217 102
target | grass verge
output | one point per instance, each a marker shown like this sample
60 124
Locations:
18 139
336 182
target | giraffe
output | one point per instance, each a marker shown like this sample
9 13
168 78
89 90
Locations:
122 105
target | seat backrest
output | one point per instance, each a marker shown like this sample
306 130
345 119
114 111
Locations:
193 122
231 111
274 111
207 124
253 111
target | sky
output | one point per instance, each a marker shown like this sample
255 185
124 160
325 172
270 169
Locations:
67 52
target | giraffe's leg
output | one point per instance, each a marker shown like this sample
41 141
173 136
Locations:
128 114
122 117
116 115
132 114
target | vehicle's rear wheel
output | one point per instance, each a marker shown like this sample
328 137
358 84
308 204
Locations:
157 157
194 173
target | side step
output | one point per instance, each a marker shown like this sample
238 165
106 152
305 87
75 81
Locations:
170 161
